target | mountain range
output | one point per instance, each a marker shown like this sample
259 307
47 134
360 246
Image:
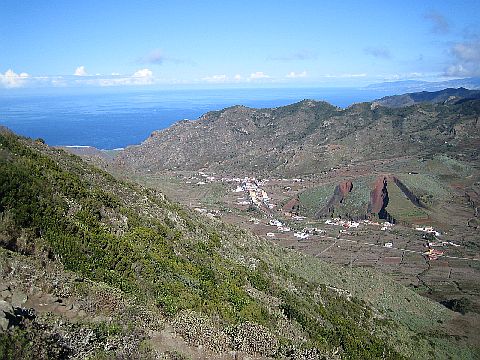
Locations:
313 136
403 86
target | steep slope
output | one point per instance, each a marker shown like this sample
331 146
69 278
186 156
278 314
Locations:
128 265
307 137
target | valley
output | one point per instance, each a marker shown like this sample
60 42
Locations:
421 229
398 250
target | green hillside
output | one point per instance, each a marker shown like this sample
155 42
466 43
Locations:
78 228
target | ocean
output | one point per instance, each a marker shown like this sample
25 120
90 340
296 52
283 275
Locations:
111 119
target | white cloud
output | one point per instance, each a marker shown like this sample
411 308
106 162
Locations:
13 80
216 78
80 78
143 73
237 77
466 59
353 75
139 77
457 70
294 75
467 51
344 76
258 75
80 71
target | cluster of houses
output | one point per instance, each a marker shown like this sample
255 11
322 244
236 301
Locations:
201 179
433 254
209 213
347 224
441 243
301 235
251 187
280 226
428 229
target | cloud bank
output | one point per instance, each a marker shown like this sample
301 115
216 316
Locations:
13 80
258 75
294 75
80 77
466 58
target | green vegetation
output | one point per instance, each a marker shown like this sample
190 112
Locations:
313 199
354 205
448 167
15 346
356 202
427 187
198 278
401 208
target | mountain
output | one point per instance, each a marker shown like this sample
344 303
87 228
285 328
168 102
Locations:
418 85
446 96
310 137
95 267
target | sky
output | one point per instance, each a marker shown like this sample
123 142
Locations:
162 43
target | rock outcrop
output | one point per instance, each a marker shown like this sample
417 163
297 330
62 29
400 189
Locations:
340 192
379 199
292 206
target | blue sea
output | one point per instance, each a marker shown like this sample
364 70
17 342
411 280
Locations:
111 119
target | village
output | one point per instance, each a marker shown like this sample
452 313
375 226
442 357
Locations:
284 224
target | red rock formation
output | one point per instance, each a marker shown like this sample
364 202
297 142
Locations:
378 196
292 206
341 190
345 187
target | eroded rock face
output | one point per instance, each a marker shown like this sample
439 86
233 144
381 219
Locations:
379 198
292 206
345 187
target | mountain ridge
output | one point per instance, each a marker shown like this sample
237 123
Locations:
308 136
419 85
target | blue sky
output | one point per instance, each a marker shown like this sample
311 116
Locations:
235 43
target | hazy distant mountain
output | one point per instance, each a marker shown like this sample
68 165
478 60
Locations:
417 85
446 96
